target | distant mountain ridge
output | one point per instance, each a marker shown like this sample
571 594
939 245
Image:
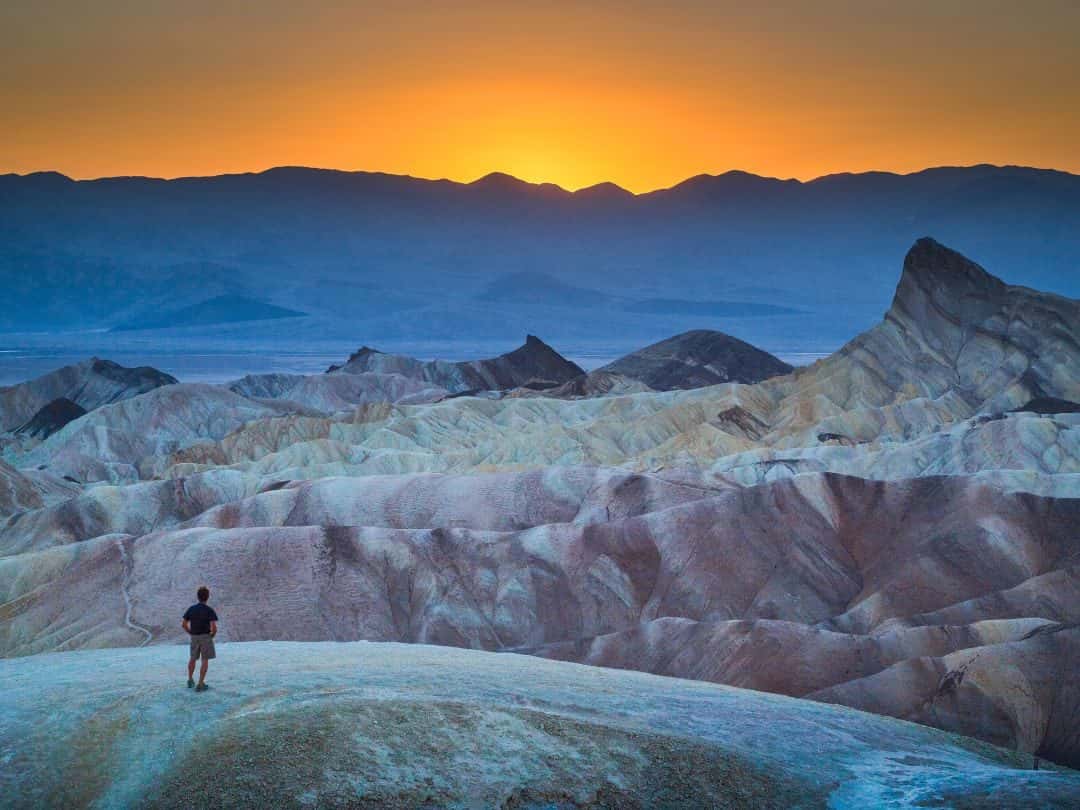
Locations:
503 181
355 249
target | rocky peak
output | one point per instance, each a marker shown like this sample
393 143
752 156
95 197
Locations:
938 282
542 361
363 351
360 354
953 327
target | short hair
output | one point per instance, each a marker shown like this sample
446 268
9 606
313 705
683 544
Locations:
203 593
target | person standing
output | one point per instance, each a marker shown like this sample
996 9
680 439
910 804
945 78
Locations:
200 622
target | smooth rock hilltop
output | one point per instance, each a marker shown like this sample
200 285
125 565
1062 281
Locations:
386 725
697 359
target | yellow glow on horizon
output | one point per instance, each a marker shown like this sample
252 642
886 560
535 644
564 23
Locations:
637 93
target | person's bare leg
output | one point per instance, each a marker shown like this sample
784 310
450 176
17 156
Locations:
191 668
202 671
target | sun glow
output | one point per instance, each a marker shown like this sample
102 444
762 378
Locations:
561 94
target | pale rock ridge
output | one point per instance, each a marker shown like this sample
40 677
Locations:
135 509
113 441
90 384
334 393
901 380
17 492
594 384
1024 451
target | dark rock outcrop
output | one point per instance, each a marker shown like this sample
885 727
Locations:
1049 405
51 418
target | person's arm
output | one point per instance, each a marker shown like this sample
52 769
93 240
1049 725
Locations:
213 629
186 626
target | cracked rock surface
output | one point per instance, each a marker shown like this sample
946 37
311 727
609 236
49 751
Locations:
390 725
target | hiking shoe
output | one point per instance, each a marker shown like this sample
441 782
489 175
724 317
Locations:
202 687
190 683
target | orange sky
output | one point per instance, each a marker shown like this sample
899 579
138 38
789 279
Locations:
641 93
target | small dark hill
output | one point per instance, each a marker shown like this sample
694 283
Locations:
696 359
532 361
51 418
222 309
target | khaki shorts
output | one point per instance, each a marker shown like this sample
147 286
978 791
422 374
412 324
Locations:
203 646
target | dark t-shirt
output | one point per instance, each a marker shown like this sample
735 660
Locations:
200 616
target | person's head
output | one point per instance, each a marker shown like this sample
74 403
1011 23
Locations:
203 593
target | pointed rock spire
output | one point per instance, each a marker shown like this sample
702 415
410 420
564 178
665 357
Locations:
939 282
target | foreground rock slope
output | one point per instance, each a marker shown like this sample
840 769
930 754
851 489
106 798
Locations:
373 725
